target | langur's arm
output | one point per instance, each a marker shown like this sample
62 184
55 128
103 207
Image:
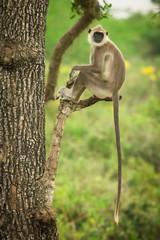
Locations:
89 68
86 68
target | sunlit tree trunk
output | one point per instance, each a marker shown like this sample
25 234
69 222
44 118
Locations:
22 118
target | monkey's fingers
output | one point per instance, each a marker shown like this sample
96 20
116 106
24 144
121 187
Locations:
60 93
69 83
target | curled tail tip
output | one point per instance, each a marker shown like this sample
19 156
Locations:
116 218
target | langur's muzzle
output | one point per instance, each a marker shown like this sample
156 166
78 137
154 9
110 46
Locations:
98 36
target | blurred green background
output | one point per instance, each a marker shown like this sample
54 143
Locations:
86 182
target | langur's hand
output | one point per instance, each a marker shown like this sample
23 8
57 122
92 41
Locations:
71 81
72 72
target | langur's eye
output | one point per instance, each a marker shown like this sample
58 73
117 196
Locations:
89 30
106 33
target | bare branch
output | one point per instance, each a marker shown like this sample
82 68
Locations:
91 11
45 186
92 100
65 109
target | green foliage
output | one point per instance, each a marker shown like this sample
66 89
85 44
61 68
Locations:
86 181
105 10
151 33
156 1
76 9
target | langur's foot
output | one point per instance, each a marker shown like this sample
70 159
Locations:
65 94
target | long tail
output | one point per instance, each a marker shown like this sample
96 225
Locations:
117 132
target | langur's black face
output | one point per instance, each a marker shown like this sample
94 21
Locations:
98 37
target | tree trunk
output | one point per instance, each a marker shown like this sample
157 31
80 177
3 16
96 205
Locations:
22 118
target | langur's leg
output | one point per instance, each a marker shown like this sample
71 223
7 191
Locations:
75 92
78 87
88 80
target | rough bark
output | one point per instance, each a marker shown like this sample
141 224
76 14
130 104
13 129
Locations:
22 120
91 12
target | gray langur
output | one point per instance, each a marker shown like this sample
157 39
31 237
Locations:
103 77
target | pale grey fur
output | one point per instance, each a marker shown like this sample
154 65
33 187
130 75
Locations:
103 77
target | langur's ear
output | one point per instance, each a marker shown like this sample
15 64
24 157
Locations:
89 30
107 33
